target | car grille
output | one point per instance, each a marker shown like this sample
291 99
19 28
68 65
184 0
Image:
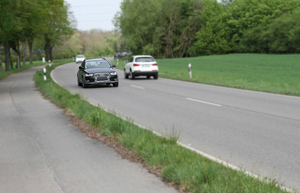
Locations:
102 76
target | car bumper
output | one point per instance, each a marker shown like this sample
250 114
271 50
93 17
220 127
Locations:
145 73
94 80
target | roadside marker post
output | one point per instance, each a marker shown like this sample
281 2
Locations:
45 77
190 70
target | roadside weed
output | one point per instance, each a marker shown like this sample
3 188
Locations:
189 170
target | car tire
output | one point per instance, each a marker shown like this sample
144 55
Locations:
83 84
78 83
125 74
155 76
131 75
115 84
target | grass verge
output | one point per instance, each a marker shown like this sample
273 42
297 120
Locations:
26 66
274 73
190 171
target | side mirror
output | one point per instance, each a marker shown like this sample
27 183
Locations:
125 62
113 66
80 68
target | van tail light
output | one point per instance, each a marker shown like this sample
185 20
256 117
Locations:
155 64
136 64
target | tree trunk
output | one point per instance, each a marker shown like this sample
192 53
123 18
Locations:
1 68
18 62
18 66
30 50
24 52
11 62
50 51
7 55
47 47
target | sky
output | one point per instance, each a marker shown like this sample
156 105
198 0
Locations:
94 14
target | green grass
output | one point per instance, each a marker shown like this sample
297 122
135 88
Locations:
189 170
27 65
260 72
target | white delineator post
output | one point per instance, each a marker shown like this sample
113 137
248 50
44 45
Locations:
190 70
45 77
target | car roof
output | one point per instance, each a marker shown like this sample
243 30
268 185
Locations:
142 56
90 60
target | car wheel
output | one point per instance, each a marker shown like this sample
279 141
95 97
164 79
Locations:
125 74
79 84
115 84
131 75
155 76
83 84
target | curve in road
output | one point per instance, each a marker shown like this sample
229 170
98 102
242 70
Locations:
40 151
256 131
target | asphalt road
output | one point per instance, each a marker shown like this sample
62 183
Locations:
256 131
40 151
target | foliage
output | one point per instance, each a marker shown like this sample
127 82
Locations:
164 28
26 20
248 26
190 171
283 33
211 37
92 43
179 28
55 25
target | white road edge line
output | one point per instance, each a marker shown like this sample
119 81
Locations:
139 87
226 164
199 101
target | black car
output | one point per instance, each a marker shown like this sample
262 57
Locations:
96 72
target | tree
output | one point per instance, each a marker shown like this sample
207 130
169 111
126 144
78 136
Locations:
243 15
283 33
239 25
137 22
7 25
55 25
159 27
32 11
212 36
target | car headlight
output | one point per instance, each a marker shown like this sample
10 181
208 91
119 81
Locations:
113 73
89 74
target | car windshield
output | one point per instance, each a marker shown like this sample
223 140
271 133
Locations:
80 56
97 64
144 59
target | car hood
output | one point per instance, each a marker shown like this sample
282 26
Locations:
99 70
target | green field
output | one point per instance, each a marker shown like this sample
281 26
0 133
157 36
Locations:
261 72
187 170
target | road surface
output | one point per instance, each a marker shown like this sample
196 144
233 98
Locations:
256 131
40 151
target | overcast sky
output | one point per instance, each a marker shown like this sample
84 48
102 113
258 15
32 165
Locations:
94 14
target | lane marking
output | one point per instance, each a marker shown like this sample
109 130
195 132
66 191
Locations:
225 163
204 102
139 87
